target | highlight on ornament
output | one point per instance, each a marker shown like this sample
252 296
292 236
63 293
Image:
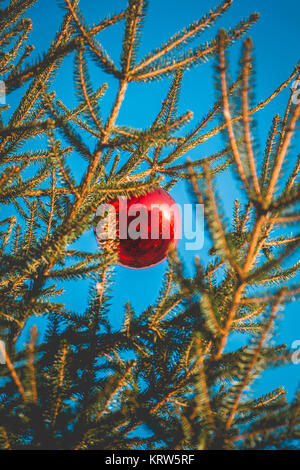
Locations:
2 352
147 227
2 92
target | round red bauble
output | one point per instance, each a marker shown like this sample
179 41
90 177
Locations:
146 228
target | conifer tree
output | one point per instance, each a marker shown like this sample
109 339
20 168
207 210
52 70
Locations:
75 388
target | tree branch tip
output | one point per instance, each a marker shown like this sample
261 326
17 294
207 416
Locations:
248 42
254 16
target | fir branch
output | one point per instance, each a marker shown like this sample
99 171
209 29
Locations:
193 57
183 37
13 373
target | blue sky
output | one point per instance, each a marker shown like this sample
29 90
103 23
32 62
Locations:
276 36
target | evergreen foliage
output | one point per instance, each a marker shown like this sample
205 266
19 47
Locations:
76 389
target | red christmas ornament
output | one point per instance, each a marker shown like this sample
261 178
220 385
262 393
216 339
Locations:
146 228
